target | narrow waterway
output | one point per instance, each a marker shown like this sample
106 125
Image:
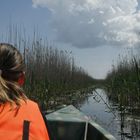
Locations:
104 112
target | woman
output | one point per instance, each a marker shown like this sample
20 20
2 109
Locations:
20 118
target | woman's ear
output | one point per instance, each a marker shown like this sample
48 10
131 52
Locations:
21 78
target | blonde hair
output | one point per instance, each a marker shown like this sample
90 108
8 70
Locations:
11 66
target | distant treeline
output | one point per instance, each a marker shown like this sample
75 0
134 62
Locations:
123 82
50 72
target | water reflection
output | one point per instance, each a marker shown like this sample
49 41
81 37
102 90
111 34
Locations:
109 115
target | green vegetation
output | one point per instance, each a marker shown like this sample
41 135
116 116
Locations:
51 74
123 83
123 88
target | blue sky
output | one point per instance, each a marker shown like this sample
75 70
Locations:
95 31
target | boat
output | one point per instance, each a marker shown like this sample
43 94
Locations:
69 123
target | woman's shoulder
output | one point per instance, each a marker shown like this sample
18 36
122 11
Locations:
31 103
30 108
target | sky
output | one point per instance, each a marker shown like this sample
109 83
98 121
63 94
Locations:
96 31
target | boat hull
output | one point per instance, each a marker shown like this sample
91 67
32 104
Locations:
70 124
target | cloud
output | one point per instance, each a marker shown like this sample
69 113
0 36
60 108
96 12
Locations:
91 23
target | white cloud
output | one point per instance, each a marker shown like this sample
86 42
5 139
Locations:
91 23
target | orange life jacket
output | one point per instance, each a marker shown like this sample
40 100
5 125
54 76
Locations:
24 123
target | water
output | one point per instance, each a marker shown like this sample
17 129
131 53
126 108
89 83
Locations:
105 113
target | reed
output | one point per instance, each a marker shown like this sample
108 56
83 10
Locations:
123 83
49 71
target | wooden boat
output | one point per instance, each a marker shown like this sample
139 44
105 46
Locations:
69 123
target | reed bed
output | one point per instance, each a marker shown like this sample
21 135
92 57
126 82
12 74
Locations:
50 72
123 83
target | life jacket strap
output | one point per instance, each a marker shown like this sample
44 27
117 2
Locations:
26 125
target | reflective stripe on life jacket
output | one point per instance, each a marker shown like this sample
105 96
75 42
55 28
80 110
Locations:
15 122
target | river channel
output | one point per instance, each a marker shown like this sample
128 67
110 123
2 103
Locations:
106 113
